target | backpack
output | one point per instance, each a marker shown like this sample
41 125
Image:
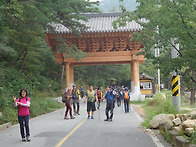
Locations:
75 94
98 93
63 98
20 99
126 95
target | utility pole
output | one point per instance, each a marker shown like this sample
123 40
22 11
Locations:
176 98
157 53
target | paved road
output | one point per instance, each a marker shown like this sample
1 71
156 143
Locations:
52 130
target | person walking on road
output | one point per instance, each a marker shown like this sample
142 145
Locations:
81 92
66 98
99 96
90 97
109 105
23 104
126 96
76 98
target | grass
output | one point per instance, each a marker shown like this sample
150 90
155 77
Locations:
193 138
137 102
160 104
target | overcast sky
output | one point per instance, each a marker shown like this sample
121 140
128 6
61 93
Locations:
95 0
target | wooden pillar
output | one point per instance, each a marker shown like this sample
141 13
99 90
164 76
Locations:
71 73
136 73
67 76
135 86
132 78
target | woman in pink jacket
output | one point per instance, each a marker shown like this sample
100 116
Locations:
23 104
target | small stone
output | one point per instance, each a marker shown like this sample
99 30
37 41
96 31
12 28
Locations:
188 131
185 117
181 141
173 135
178 128
193 115
189 124
179 116
176 122
171 116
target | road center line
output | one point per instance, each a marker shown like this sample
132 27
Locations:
70 133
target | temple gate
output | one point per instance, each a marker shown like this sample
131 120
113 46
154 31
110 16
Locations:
103 45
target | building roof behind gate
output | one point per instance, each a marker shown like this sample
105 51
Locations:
101 22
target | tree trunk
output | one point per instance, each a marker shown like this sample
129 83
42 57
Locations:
24 58
19 56
193 89
169 83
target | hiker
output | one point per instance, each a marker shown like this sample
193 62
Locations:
90 97
109 105
23 104
114 94
126 96
66 98
76 98
118 92
81 92
99 96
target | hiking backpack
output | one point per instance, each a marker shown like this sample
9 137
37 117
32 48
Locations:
126 95
98 93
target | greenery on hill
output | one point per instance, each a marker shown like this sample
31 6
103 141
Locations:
174 20
26 61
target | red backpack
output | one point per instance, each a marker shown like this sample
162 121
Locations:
98 93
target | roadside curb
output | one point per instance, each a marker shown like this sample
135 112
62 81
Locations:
175 139
5 126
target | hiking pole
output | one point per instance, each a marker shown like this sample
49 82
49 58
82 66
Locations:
122 104
129 106
99 112
62 110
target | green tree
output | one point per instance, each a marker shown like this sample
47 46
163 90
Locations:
166 20
25 58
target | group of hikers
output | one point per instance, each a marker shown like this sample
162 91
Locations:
72 96
93 99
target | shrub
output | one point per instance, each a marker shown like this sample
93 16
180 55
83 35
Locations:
159 105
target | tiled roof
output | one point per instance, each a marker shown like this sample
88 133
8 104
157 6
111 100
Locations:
146 76
101 22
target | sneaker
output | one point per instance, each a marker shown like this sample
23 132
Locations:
88 117
66 117
92 117
78 113
109 119
28 138
72 117
105 119
23 139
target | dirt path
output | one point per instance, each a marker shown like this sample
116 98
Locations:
140 111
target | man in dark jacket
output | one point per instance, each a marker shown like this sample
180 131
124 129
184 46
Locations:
109 105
